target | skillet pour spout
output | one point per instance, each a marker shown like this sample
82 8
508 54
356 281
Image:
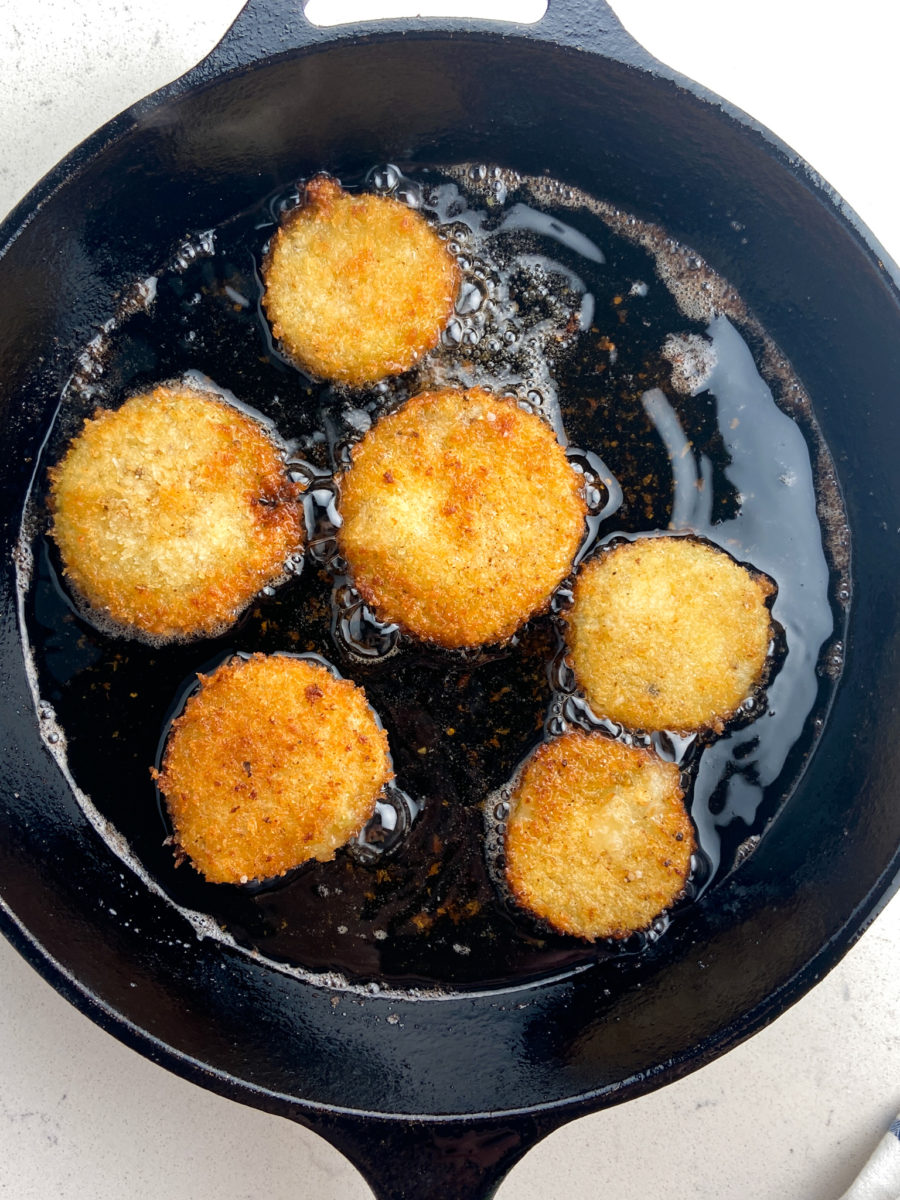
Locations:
441 1094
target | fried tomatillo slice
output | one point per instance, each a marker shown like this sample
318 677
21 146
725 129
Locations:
273 762
461 515
598 841
669 633
357 286
172 513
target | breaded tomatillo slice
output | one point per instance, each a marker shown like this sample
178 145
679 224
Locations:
172 513
669 633
357 286
461 515
273 762
598 842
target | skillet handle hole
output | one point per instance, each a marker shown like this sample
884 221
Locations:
345 12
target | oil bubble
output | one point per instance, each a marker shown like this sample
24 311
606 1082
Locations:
395 813
385 179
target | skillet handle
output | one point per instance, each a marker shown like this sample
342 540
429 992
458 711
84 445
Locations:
413 1160
266 28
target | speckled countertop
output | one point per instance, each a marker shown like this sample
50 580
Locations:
792 1113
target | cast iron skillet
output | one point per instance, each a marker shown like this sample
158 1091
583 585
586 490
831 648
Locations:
454 1092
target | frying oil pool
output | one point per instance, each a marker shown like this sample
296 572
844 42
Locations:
676 408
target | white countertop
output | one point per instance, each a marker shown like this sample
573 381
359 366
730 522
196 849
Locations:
791 1114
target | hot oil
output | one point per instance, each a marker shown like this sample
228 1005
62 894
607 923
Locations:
571 308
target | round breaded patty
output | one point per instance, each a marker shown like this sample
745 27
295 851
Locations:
357 286
273 762
172 512
461 515
669 633
598 841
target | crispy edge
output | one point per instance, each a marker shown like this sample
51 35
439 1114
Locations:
129 606
213 747
492 603
646 702
597 866
336 351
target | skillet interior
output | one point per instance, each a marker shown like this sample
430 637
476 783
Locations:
793 898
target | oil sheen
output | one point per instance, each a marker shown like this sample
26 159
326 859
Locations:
680 415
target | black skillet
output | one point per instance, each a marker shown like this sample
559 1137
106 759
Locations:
457 1089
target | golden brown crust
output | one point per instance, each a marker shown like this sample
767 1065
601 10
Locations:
669 633
274 762
357 286
461 515
172 512
598 842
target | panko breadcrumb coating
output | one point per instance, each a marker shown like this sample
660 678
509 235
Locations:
669 633
598 841
357 286
273 762
461 515
172 512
